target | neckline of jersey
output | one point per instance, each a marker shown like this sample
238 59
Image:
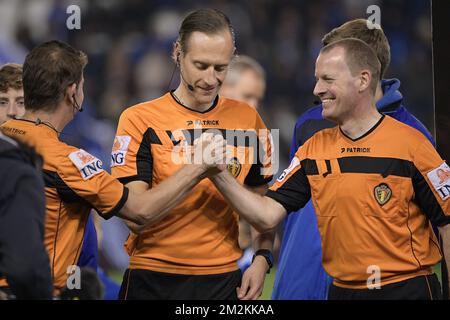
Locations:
376 125
186 108
40 125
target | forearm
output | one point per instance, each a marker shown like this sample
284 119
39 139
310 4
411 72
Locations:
254 208
156 203
262 240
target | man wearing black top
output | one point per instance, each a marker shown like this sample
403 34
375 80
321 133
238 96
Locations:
23 258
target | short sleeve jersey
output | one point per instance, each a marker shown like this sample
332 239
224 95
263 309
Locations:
200 235
374 198
74 184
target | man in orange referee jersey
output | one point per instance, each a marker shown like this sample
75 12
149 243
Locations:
374 182
75 181
192 253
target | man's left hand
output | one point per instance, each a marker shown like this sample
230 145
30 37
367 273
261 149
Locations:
253 280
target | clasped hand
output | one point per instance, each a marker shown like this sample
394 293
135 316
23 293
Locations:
210 151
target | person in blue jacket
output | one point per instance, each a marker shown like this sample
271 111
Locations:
300 275
89 250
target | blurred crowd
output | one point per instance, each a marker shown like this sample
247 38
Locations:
129 44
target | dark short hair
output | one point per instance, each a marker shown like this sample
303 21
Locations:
10 77
375 38
358 56
209 21
47 72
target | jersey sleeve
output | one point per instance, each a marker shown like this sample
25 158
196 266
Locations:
431 182
82 176
261 171
292 189
131 157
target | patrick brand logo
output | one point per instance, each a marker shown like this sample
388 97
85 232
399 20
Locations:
440 179
87 164
202 122
119 150
355 150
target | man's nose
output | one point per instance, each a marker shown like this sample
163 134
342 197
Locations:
211 77
13 110
319 89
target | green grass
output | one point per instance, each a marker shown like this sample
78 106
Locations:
268 284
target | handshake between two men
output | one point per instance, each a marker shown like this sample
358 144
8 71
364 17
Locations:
210 152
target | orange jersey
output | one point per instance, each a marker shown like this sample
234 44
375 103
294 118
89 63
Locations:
200 235
374 198
74 183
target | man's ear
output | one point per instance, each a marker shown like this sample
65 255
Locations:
365 80
176 52
70 92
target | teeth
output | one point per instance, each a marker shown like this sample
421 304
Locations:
327 100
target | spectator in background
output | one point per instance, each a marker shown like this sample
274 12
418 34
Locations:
11 92
245 81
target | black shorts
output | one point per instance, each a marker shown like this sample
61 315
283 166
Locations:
141 284
418 288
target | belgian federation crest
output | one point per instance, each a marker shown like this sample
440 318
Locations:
382 193
234 167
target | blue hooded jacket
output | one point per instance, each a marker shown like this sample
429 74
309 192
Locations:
300 275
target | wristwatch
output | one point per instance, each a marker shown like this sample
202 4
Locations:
267 255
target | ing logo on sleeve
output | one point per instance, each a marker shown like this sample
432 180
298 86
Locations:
87 164
119 150
440 179
294 164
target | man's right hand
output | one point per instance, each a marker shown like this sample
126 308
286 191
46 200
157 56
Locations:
210 151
